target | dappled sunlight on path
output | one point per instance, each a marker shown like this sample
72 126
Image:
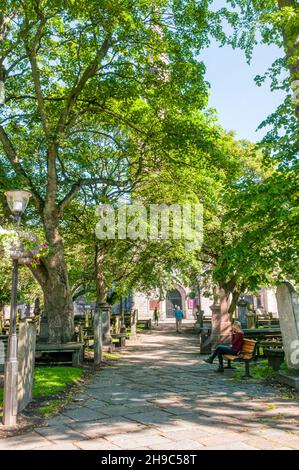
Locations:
160 395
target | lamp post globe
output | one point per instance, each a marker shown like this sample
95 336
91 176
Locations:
17 202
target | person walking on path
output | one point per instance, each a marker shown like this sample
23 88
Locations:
234 349
156 316
178 317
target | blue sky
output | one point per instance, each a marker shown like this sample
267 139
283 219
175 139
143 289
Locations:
240 103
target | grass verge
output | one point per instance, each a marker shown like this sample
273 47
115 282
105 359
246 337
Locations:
258 371
50 381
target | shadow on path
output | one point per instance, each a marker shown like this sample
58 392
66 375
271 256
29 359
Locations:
160 395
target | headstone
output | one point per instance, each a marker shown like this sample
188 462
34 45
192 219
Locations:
117 324
199 321
26 358
106 319
133 321
288 310
44 330
221 324
251 320
36 308
97 336
242 310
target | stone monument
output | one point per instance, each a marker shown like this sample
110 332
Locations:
101 326
44 329
242 310
199 320
288 310
97 335
133 323
251 317
106 319
221 324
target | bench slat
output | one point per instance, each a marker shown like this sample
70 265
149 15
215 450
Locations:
230 357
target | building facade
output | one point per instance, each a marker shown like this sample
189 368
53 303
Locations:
180 295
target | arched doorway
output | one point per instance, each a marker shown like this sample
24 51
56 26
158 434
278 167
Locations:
173 298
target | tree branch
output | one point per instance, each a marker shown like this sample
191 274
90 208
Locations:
85 182
14 161
36 78
89 72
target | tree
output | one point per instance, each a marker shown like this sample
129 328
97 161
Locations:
262 211
77 78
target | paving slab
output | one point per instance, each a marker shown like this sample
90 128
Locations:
26 441
161 395
60 434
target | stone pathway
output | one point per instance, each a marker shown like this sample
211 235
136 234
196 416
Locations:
160 395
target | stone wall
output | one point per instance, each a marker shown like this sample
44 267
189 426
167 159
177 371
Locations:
26 358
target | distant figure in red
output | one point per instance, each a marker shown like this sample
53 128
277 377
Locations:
234 349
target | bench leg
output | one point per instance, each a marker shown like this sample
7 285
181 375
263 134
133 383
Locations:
247 371
229 365
77 358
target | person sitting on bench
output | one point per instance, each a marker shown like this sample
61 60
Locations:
234 349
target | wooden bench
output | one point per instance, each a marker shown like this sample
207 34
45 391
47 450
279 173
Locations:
246 355
262 335
76 349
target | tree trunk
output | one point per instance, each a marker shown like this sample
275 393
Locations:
233 304
58 302
52 275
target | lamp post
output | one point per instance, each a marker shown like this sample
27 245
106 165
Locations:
17 202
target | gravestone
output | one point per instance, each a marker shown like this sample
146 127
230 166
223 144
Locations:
101 325
133 322
43 329
221 324
199 321
242 310
288 310
106 318
97 335
26 359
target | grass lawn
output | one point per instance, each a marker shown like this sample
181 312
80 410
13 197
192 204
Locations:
49 381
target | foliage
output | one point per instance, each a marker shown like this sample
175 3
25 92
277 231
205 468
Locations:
260 371
34 243
263 211
107 101
93 96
